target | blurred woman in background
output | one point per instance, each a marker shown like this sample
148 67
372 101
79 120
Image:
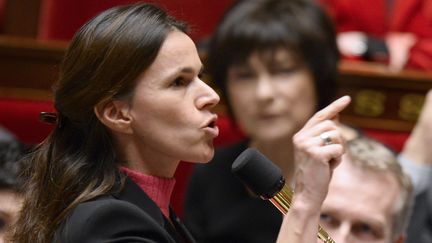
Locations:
275 63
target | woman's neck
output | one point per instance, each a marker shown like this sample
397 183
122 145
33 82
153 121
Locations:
145 159
280 152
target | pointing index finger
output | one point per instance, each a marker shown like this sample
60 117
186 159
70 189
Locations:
329 112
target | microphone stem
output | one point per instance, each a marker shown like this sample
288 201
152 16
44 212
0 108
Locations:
282 201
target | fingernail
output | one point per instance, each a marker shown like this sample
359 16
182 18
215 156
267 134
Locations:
345 98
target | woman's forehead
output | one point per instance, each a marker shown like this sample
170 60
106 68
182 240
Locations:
178 54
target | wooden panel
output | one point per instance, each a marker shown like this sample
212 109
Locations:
382 99
28 67
22 17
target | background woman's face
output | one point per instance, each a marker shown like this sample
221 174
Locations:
272 96
171 106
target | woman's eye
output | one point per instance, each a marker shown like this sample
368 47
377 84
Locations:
178 82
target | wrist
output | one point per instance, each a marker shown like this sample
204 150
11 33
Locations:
306 206
301 222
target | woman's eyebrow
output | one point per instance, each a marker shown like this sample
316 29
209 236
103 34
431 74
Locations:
183 70
189 70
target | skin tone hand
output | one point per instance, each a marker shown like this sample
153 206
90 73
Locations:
417 147
315 162
399 46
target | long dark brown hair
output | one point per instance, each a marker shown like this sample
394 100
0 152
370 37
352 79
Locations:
77 162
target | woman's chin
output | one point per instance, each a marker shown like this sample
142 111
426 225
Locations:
207 157
202 157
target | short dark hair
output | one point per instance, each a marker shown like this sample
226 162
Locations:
301 26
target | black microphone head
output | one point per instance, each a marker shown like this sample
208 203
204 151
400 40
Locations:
258 173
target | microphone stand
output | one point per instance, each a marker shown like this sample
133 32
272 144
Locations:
282 201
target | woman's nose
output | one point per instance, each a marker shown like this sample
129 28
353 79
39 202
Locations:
264 88
208 97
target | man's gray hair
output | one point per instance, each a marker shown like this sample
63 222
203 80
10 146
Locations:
372 155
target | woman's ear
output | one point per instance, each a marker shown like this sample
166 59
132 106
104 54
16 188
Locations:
115 115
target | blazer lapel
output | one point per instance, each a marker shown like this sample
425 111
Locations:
132 193
181 228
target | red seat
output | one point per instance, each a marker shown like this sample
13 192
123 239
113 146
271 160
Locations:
394 140
21 117
60 19
2 14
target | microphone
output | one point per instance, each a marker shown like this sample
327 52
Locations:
265 179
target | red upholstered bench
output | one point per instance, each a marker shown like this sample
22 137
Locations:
21 117
61 18
2 14
394 140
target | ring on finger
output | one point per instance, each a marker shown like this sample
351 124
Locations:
325 137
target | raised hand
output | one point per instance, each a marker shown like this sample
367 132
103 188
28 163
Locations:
417 147
318 146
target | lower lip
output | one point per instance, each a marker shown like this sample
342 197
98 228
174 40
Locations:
214 131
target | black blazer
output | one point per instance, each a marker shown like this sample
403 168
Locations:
127 216
420 227
220 209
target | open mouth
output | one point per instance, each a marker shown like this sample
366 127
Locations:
212 128
212 124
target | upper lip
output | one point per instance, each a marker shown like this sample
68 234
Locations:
211 122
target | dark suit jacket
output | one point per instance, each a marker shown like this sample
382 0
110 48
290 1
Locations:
420 227
219 208
127 216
